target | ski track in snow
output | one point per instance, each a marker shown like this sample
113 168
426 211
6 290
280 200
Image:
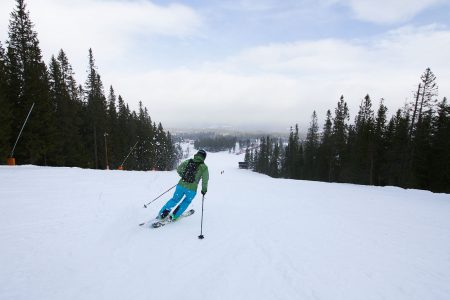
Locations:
70 233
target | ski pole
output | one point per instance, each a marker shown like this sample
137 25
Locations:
201 224
145 205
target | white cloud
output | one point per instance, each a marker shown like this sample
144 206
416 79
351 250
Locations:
388 11
403 47
111 28
275 84
282 84
196 97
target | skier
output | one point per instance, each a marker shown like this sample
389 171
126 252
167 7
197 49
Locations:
190 171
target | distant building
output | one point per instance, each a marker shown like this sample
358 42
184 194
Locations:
243 165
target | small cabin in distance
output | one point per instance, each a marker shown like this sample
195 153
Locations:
243 165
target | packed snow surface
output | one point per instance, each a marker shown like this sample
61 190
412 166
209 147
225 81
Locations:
69 233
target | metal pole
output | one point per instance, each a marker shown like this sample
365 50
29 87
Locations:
95 146
201 224
129 153
15 144
106 152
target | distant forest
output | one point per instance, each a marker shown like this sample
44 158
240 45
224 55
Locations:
410 150
213 142
71 124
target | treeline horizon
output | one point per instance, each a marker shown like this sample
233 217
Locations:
216 143
71 124
410 150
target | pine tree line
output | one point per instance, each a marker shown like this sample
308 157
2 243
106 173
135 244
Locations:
410 150
216 143
71 124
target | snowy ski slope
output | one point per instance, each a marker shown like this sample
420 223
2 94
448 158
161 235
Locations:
69 233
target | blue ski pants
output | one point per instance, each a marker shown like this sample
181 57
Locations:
180 192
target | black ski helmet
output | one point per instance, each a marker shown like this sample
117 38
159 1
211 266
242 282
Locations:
202 152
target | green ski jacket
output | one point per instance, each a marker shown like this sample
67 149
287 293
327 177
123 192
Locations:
202 173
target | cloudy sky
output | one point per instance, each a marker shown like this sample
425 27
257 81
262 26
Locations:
252 64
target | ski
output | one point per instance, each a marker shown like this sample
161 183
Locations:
165 221
161 223
149 222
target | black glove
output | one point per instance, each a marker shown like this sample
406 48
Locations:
203 193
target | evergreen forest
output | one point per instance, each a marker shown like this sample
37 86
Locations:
89 125
216 143
71 124
411 149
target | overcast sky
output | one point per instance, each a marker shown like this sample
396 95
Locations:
253 64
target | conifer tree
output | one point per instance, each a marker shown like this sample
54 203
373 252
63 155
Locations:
410 151
424 99
255 159
397 140
292 159
247 156
381 146
161 151
132 134
300 162
96 108
28 84
77 154
311 148
59 97
420 130
124 144
5 115
274 161
298 154
112 129
363 148
69 150
287 162
262 164
69 123
340 136
326 154
440 159
261 153
422 153
146 135
68 77
251 160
